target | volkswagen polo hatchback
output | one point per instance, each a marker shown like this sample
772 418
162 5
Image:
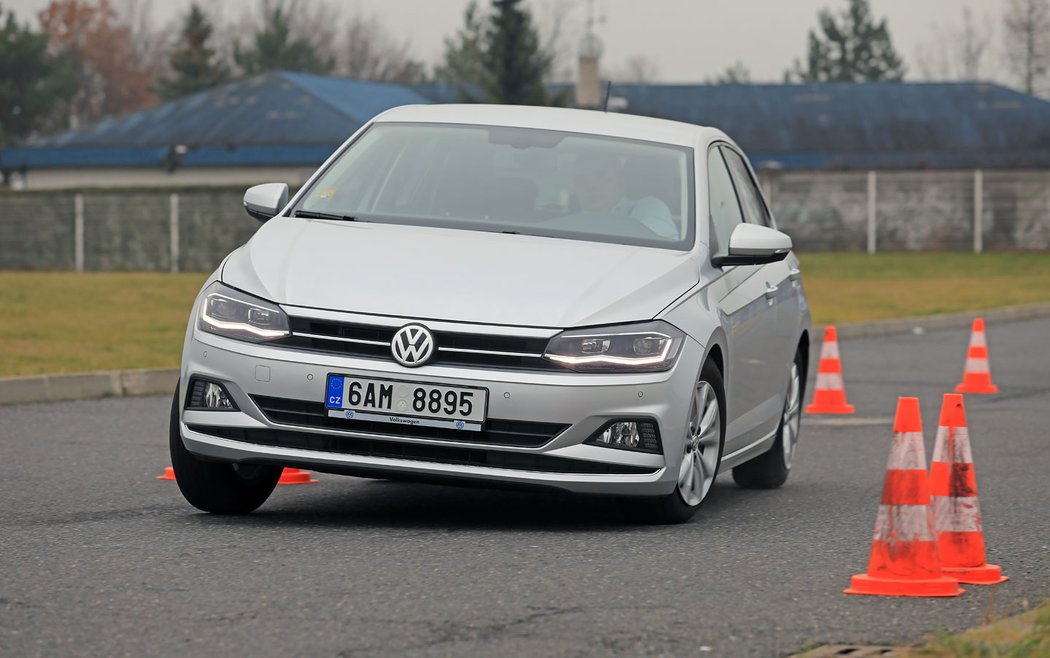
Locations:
514 296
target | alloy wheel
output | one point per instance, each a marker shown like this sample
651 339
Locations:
792 417
703 434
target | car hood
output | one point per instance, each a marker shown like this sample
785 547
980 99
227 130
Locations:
457 275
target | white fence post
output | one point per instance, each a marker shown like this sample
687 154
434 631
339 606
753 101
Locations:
978 211
871 212
173 231
78 232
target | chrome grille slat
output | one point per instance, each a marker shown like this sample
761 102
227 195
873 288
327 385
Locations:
359 341
463 350
453 348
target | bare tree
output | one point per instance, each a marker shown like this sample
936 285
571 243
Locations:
371 53
315 22
552 17
638 69
149 42
737 74
954 54
1027 32
972 45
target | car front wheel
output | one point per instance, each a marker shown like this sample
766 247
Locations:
217 487
705 433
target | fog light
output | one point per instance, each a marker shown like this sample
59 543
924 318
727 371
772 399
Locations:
620 434
629 435
209 395
215 397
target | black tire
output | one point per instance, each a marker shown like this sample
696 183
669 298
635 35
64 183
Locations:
671 509
770 470
217 487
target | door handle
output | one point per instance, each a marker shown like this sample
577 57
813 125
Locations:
771 291
795 274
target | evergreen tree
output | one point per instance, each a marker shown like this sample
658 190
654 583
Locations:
514 63
193 63
464 54
852 48
32 82
276 49
496 57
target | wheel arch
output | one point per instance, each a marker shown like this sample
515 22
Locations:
717 350
803 348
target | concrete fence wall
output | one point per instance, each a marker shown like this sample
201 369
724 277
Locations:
189 230
913 211
193 230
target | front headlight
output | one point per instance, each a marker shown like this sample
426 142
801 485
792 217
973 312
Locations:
234 314
645 347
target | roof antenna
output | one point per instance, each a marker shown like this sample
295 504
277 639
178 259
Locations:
605 103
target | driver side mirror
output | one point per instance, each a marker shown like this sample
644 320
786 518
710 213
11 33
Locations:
264 201
751 244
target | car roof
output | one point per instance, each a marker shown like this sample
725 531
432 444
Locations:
612 124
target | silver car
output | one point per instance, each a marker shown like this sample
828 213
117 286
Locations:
512 296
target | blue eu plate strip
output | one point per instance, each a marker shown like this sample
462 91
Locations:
334 399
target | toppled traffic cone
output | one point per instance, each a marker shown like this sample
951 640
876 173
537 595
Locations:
829 397
956 513
296 476
168 474
904 559
977 378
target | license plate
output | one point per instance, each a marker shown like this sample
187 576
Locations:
406 403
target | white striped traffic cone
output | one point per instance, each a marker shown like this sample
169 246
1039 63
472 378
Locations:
977 377
956 512
904 559
829 396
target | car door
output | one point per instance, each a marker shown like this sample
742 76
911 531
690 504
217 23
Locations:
780 289
747 317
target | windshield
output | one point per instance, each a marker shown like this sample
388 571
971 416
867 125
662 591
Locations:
515 180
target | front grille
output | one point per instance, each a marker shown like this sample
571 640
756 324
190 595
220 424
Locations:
373 342
348 445
517 433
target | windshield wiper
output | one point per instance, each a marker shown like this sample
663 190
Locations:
313 214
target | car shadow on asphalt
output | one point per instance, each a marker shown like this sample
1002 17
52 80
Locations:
391 504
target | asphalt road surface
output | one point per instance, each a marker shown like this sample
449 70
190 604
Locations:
99 558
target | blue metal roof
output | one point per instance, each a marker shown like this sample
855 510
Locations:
278 118
298 119
879 125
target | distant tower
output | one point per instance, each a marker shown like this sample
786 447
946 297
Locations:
588 82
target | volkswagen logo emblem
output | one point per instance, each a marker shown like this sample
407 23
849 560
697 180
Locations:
412 345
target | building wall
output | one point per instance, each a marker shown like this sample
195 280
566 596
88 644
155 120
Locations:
915 211
64 179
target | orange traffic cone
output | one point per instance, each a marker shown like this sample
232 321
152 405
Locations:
830 394
288 476
296 476
977 378
904 559
956 514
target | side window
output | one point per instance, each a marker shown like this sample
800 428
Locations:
725 209
755 211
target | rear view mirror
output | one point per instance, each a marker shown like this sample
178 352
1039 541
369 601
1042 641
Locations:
751 244
264 201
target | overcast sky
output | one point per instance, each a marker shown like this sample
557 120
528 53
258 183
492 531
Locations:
686 40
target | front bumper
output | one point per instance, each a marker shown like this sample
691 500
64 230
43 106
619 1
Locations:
582 402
